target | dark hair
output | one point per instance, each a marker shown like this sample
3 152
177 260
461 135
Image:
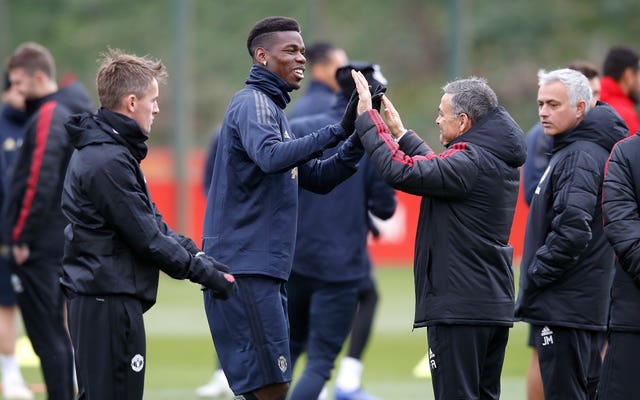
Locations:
261 31
587 68
33 57
319 52
618 59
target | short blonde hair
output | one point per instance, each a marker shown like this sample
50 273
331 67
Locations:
120 74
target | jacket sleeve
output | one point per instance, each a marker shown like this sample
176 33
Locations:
620 210
262 137
49 157
124 203
576 184
322 175
187 243
381 198
451 174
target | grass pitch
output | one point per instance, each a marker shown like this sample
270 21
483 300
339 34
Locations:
180 352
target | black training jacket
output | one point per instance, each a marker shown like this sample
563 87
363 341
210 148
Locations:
462 266
621 212
116 241
567 263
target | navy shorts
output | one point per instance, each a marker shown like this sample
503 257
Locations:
251 333
7 295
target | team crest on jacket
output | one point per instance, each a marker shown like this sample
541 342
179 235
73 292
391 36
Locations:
137 363
294 173
282 363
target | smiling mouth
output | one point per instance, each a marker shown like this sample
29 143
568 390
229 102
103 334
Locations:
299 73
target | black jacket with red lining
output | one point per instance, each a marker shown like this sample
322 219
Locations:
463 262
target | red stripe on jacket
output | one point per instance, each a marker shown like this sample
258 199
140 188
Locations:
398 155
42 133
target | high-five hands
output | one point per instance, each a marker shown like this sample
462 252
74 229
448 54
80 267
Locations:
393 118
394 122
362 86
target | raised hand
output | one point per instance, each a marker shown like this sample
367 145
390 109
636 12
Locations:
362 86
392 118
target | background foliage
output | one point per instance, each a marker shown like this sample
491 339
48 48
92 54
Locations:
420 45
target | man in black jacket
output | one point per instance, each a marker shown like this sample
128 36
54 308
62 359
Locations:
34 223
620 208
463 274
567 264
116 242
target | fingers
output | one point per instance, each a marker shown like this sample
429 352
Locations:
362 86
388 105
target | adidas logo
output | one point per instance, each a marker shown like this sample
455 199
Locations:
547 336
432 360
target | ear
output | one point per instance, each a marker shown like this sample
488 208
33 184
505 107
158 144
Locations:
629 77
580 107
260 55
465 123
129 102
40 77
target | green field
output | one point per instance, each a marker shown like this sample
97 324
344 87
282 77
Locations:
180 352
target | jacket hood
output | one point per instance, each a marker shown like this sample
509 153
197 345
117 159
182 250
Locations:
602 125
499 134
73 96
84 129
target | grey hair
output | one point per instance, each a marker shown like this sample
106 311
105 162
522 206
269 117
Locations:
578 88
471 96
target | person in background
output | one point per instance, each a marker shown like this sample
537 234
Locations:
621 213
621 84
331 262
13 117
463 265
323 60
116 242
33 222
567 264
251 213
538 155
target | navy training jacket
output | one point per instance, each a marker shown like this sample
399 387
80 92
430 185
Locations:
462 264
567 263
251 213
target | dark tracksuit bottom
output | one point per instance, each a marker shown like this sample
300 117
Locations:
320 317
110 346
42 306
570 362
363 320
466 360
619 378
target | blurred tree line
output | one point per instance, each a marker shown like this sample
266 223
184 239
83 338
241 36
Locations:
418 43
